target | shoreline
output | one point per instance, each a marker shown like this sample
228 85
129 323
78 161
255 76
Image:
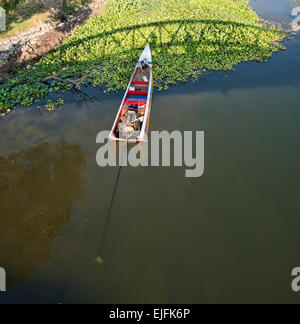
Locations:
30 46
101 52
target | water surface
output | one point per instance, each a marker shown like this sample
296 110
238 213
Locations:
229 236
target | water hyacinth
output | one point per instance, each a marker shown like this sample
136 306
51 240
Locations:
186 38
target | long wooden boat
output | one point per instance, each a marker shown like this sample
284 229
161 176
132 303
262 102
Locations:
132 121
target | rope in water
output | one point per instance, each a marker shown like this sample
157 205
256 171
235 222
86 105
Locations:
110 212
64 288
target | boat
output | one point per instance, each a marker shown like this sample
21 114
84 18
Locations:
132 122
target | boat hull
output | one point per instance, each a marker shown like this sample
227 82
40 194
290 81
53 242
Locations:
136 97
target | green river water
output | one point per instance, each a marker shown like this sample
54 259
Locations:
231 236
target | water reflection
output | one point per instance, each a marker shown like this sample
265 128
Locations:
38 187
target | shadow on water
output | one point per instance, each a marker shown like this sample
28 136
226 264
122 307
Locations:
183 34
189 27
162 24
38 187
99 259
187 36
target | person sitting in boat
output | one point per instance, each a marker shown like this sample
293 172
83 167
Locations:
143 71
144 64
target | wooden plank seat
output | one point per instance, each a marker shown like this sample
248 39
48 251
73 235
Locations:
140 83
135 102
138 92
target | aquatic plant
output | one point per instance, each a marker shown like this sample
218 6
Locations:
187 37
51 106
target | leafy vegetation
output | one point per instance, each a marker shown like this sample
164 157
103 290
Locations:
9 5
51 106
186 36
22 15
12 5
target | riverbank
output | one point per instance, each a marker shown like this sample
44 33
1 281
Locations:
30 44
187 38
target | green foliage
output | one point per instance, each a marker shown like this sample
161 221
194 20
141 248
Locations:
9 5
51 106
70 6
186 37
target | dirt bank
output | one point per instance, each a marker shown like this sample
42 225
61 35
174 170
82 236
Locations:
32 45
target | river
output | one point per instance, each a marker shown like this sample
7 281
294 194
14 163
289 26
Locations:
231 236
